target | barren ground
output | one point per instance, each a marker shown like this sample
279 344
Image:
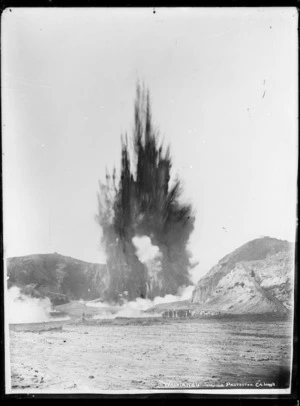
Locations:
99 355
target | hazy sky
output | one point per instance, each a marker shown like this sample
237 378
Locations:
223 86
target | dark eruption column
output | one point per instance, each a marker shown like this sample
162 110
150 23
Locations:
144 205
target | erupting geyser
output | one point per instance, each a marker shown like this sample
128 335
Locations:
145 227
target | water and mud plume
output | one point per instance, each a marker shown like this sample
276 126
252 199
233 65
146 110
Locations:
145 227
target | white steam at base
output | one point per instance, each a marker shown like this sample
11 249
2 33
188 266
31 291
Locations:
138 307
26 309
149 255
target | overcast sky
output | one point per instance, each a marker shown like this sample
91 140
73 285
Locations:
223 86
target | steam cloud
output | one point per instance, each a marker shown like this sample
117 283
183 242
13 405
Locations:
26 309
145 251
138 307
149 255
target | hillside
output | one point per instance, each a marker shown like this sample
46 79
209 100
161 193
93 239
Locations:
255 278
58 277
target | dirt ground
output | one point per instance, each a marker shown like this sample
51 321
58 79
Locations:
90 357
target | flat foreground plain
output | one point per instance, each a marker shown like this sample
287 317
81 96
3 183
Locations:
144 354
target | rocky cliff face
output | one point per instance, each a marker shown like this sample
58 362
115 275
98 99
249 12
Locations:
255 278
58 277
